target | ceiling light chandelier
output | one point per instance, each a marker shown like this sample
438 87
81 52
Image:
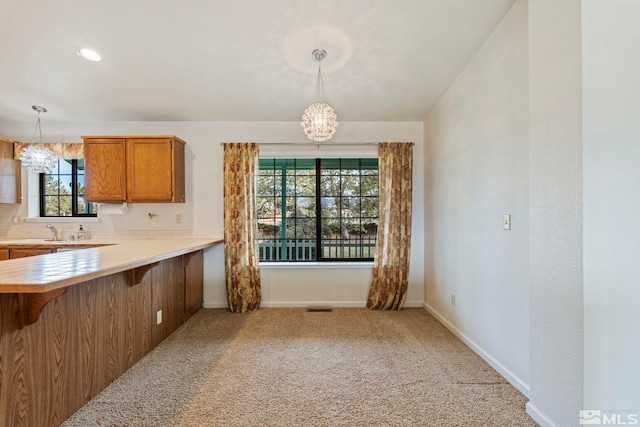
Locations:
319 121
37 158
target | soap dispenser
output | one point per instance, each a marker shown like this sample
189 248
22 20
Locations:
81 233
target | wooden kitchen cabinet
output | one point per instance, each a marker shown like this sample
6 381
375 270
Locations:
193 264
22 253
105 170
136 169
4 254
9 173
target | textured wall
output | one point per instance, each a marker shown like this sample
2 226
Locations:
202 213
555 170
476 161
611 49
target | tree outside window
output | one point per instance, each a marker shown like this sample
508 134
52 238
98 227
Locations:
317 209
62 191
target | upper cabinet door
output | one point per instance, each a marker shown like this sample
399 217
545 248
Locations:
136 169
150 170
105 170
9 173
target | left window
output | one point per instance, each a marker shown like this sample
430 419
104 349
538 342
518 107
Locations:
62 191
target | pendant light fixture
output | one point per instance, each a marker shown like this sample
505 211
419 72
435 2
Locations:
37 158
319 120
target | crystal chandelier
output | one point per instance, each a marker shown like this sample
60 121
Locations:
37 158
319 121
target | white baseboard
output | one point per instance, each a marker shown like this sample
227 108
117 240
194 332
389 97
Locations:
215 305
539 416
413 304
506 373
287 304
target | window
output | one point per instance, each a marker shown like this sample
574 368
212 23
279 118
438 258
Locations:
317 209
62 191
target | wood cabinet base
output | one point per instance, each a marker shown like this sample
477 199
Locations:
83 341
193 281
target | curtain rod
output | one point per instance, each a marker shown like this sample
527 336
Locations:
334 144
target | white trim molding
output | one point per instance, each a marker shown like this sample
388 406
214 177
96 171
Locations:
516 381
539 416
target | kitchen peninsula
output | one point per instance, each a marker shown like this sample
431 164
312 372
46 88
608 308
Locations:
71 322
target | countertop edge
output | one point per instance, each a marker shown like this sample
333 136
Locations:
118 267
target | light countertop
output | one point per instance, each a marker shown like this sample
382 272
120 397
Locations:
97 258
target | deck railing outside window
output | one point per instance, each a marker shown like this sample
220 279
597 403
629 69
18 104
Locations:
305 249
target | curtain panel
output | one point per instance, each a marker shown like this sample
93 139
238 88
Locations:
241 227
388 289
62 150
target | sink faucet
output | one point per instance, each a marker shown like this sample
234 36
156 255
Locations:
54 231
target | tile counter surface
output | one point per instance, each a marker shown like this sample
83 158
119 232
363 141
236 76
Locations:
103 257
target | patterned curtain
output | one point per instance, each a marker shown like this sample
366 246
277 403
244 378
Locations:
62 150
390 280
241 227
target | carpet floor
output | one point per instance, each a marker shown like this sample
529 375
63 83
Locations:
289 367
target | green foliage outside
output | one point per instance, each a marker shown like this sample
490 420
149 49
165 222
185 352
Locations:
58 198
348 198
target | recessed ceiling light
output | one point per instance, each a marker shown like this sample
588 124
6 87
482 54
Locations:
89 55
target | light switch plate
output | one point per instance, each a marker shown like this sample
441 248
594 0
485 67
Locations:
507 222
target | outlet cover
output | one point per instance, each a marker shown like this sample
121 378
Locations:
453 299
159 317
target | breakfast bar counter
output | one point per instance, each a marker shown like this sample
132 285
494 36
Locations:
98 258
73 321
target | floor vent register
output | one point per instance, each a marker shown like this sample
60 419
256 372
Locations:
319 309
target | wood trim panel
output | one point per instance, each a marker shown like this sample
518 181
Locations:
31 305
23 253
194 279
84 340
181 141
178 166
137 274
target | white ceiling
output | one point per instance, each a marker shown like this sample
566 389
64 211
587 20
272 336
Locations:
388 60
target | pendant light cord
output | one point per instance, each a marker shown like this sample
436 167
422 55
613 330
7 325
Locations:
38 128
319 83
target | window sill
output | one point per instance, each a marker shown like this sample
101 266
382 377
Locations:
69 219
319 265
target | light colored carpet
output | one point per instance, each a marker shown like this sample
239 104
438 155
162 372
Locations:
287 367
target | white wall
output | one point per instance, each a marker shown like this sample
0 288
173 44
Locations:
476 161
202 214
611 62
555 211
